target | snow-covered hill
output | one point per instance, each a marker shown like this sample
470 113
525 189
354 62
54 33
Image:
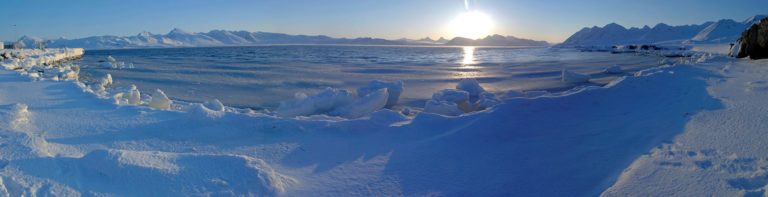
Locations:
722 31
180 38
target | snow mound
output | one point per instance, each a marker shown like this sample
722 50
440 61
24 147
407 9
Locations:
471 86
573 77
160 100
614 69
365 105
395 88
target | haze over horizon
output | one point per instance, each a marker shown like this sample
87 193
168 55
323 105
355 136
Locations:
549 21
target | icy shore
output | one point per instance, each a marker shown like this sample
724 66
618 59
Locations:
64 139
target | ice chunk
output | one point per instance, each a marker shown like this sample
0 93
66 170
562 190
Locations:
572 77
134 97
111 59
486 100
214 105
323 102
442 107
614 69
395 88
471 86
365 105
160 100
455 96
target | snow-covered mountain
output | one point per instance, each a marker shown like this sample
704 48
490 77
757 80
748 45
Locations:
722 31
180 38
725 31
496 40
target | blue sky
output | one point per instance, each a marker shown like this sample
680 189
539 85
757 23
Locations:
552 20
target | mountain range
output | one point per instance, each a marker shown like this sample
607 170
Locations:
181 38
722 31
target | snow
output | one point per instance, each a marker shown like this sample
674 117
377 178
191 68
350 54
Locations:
395 89
722 31
573 77
671 130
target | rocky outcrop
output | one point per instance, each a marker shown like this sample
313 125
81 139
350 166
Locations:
753 42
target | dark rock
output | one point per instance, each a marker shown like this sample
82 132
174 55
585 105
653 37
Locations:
754 41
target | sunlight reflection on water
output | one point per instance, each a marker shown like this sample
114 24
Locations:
467 69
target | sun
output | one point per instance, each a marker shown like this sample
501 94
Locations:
471 24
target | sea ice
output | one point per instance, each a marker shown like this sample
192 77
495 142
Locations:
442 107
160 100
471 86
365 105
395 88
573 77
614 69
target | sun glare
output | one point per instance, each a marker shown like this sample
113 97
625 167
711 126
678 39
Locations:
471 24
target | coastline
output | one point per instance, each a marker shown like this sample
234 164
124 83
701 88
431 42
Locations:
552 139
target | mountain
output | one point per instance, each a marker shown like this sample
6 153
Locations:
180 38
495 40
724 31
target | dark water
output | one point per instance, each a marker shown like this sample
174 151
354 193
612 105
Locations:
261 76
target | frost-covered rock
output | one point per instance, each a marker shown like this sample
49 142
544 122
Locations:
614 69
471 86
160 100
365 105
134 96
395 89
451 95
442 107
573 77
323 102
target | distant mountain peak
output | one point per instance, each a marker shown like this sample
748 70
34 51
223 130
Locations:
178 31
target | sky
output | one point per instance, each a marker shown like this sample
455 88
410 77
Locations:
550 20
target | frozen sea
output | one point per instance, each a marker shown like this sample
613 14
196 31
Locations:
261 76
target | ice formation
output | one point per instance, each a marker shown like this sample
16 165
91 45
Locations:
365 105
134 96
573 77
471 86
395 88
160 100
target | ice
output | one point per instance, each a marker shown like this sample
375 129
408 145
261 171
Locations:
442 107
214 105
134 96
486 100
395 88
573 77
320 103
614 69
471 86
451 95
160 100
365 105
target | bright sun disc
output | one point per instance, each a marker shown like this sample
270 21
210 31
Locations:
472 24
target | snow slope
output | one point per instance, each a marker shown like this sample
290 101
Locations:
720 152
